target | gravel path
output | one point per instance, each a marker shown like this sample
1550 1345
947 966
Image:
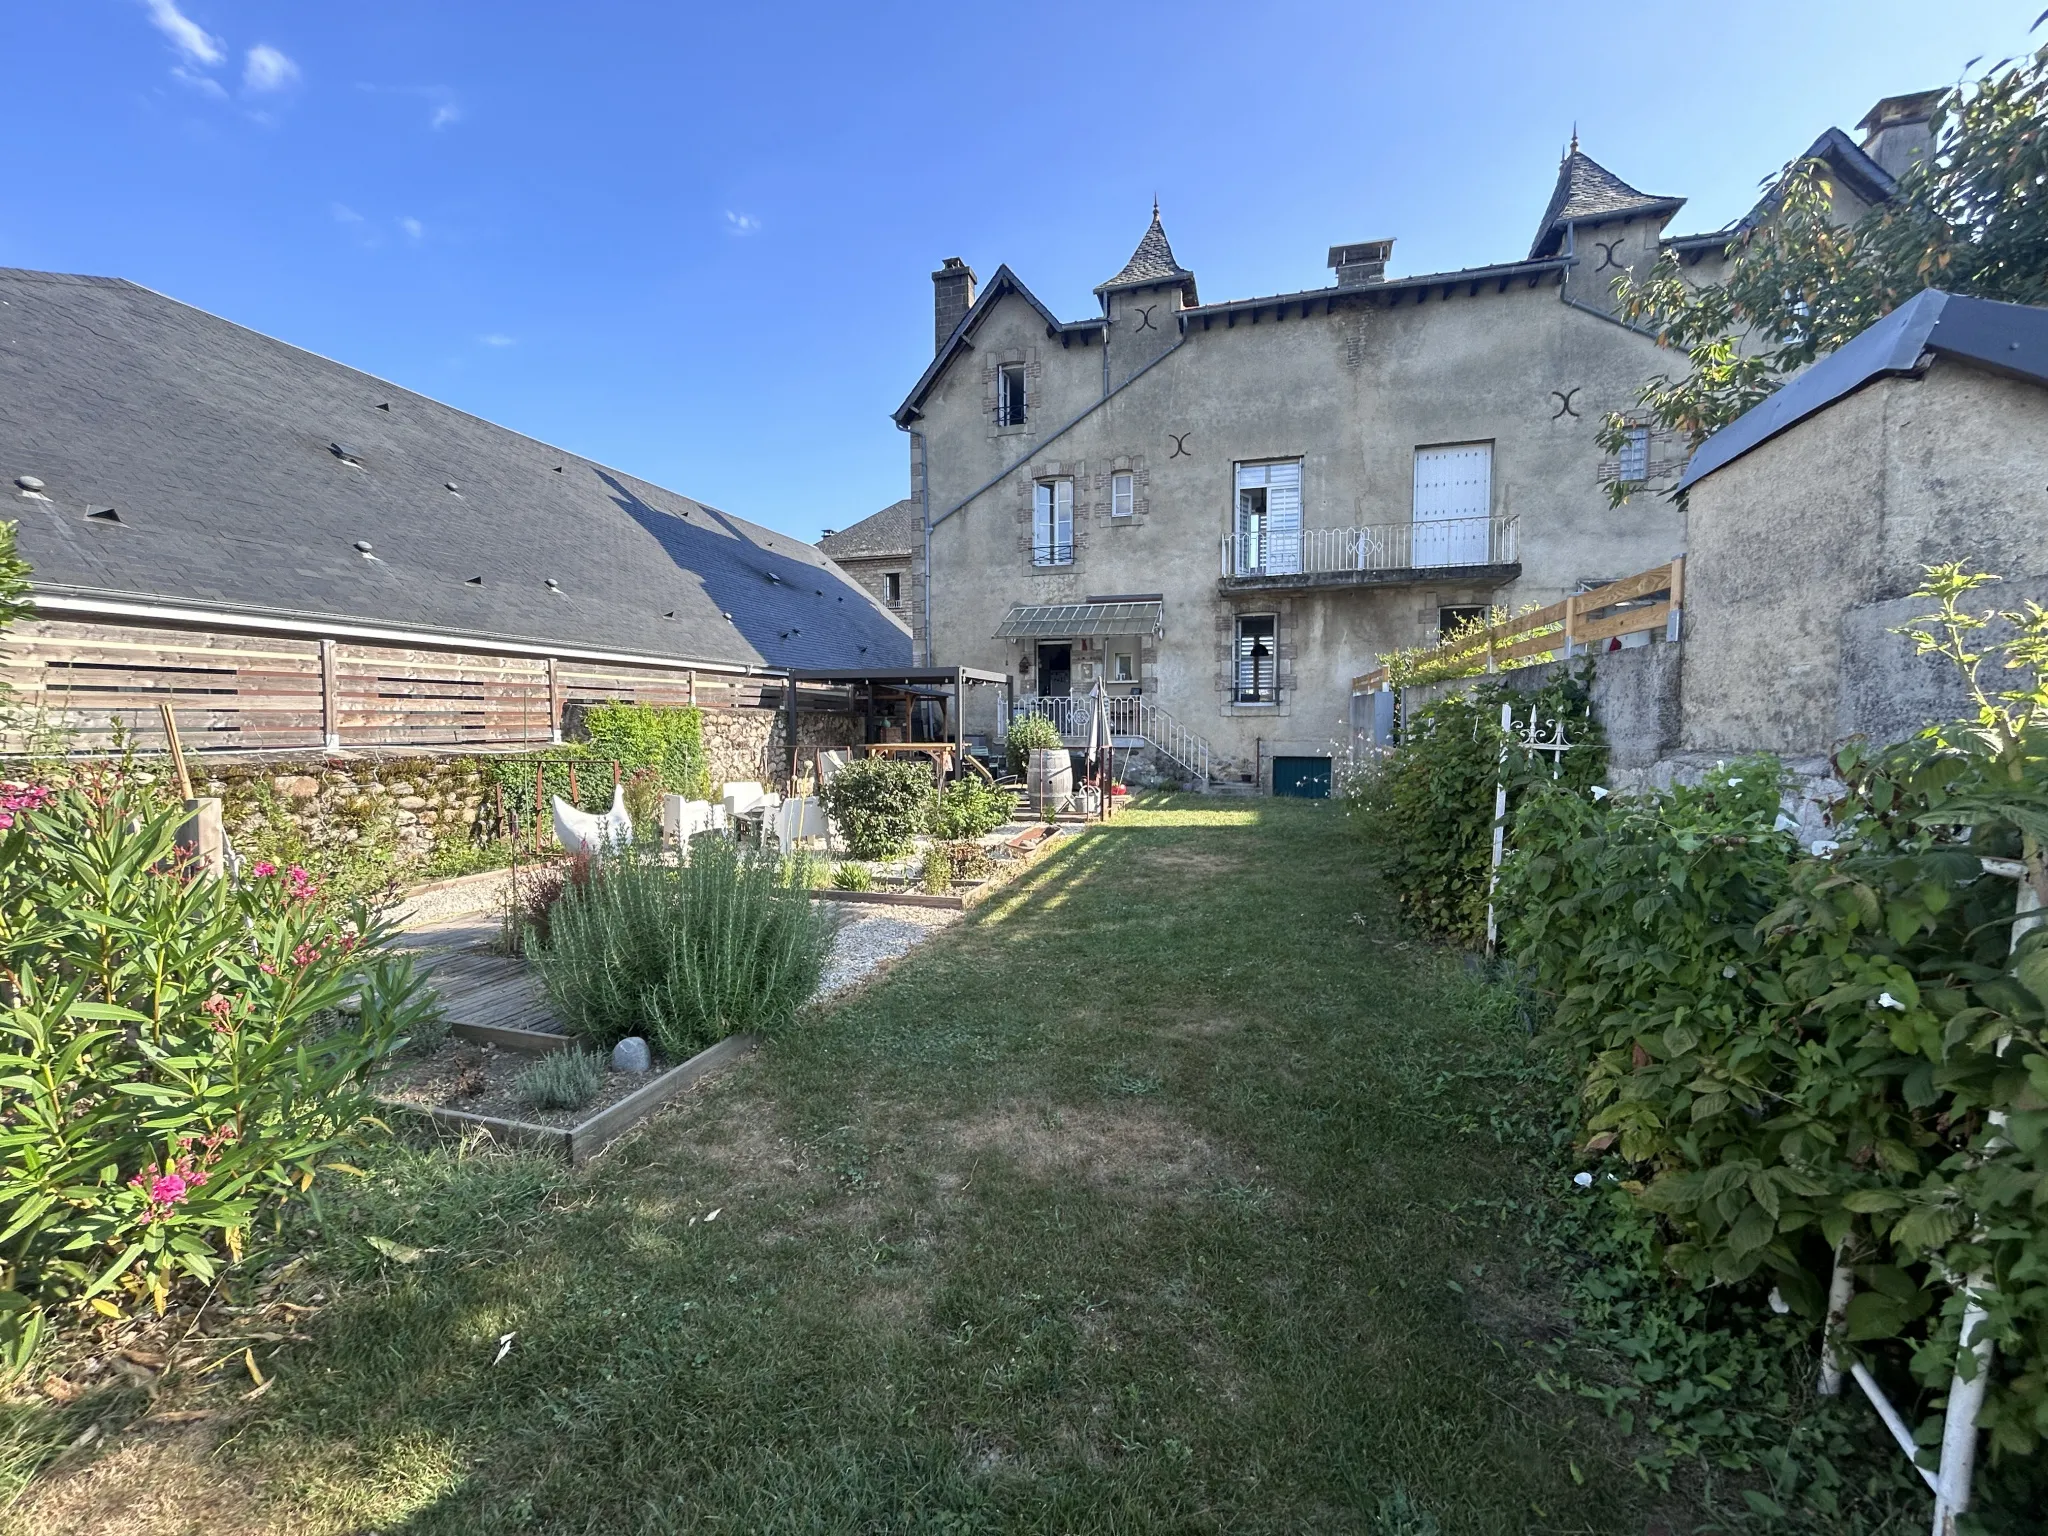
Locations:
871 939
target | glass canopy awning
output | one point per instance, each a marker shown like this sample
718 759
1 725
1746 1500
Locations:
1027 621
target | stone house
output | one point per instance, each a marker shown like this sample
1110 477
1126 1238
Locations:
878 552
1814 516
1224 510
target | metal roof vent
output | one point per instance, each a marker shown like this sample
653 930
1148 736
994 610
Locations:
363 549
670 614
384 405
453 486
554 585
728 618
474 581
101 515
346 454
31 487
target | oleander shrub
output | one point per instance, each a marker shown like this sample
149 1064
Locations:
180 1055
1028 734
684 953
1800 1059
561 1080
971 807
879 804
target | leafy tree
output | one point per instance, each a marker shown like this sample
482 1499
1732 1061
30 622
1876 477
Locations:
1970 217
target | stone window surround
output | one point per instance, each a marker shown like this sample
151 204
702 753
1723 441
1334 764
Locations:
1101 498
992 385
1027 479
1285 620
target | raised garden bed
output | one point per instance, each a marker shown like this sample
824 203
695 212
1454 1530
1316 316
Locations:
466 1086
1014 849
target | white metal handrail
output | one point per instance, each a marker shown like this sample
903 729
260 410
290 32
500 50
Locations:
1129 715
1377 547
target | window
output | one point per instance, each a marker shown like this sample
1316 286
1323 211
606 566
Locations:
1120 669
1268 529
1454 505
1052 522
1010 395
1123 493
892 587
1449 620
1258 670
1635 456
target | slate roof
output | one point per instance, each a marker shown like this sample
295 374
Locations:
892 531
1587 192
1152 262
1004 282
217 447
2011 339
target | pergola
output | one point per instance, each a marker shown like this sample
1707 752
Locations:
884 688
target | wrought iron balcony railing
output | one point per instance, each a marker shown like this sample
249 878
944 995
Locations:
1381 547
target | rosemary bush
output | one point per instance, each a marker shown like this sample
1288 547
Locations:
685 954
562 1080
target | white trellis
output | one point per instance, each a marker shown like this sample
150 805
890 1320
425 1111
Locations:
1530 737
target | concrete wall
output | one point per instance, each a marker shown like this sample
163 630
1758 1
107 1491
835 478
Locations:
1352 394
1805 550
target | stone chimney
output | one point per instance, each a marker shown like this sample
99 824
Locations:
1360 264
952 297
1899 130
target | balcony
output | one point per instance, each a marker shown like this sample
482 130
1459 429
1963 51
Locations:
1474 551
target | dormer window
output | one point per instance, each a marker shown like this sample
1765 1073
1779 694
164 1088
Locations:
1010 403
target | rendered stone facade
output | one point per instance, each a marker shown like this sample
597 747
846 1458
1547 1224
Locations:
1143 429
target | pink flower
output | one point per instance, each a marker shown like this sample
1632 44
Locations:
219 1013
167 1189
267 967
20 797
263 869
305 955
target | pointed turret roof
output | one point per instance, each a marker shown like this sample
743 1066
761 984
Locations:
1151 262
1588 192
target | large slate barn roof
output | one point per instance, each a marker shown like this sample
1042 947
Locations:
245 475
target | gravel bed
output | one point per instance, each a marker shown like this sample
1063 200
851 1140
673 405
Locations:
473 1076
871 939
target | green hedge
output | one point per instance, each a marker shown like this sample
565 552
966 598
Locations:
658 750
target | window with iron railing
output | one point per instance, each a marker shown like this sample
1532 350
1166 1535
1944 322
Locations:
1258 659
1052 522
1010 395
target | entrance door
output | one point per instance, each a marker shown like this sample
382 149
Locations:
1055 670
1453 504
1302 778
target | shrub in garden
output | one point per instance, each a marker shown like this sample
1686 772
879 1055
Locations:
668 742
561 1080
1028 734
852 877
1426 809
878 804
970 807
1808 1058
966 860
685 954
937 873
174 1054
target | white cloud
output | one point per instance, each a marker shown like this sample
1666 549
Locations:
413 228
343 214
496 340
741 223
205 85
186 35
269 70
445 114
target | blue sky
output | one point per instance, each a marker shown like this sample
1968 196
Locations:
694 241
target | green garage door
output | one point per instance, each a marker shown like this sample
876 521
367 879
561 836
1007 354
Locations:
1305 778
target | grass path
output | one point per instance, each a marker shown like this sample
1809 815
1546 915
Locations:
1156 1196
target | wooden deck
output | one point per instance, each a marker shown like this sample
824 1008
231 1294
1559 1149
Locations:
488 997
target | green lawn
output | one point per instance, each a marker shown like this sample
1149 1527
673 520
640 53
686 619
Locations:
1159 1195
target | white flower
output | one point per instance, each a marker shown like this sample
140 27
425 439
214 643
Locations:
1778 1303
1583 1180
1824 847
1733 782
1598 793
1727 973
1886 1000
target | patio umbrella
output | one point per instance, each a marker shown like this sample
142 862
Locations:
1099 743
